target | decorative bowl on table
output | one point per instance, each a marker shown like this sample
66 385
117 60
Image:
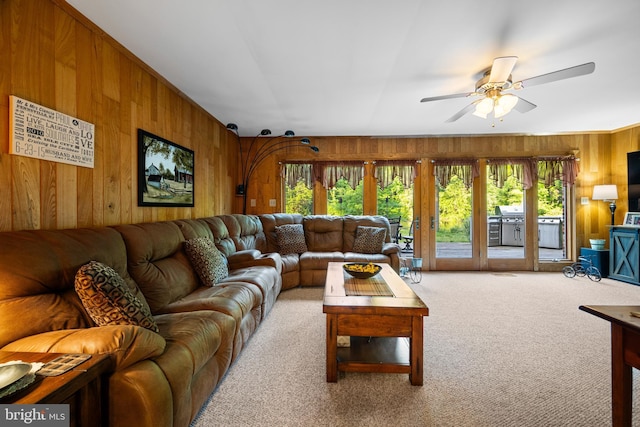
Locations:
362 270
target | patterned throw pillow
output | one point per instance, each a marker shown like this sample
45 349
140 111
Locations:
210 264
108 299
369 240
291 239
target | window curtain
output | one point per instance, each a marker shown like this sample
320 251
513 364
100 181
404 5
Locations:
551 169
292 173
328 173
528 170
387 170
524 169
465 169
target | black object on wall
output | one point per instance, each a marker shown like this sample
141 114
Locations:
633 176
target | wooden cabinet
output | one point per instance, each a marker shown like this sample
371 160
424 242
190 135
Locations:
624 254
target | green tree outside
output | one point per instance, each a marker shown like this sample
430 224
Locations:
396 201
344 200
299 199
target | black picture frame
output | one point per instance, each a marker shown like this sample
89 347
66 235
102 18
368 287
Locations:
171 181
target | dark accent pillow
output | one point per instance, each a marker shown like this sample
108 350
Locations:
369 240
290 239
208 262
108 300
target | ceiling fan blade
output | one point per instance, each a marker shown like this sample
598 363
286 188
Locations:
501 68
523 105
462 112
567 73
455 95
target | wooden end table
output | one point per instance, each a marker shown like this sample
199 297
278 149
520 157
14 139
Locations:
625 355
81 388
386 331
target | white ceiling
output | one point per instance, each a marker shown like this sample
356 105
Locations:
360 67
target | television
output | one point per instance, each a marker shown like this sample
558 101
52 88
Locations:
633 180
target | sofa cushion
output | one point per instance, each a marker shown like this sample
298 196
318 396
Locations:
210 264
291 239
324 233
108 300
369 240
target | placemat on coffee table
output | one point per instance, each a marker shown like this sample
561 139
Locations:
374 286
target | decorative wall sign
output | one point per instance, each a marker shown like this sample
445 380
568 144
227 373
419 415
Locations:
165 172
43 133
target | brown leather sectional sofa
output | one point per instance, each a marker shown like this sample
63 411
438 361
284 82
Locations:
164 378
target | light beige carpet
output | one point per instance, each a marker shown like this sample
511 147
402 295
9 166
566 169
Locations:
500 349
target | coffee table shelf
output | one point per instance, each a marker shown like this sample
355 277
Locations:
375 350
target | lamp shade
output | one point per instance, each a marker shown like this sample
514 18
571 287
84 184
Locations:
605 192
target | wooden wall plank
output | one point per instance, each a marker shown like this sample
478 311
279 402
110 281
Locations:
54 57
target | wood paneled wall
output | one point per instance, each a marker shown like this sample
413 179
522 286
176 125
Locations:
54 57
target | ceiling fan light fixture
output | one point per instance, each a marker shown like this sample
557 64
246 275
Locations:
507 101
484 107
504 104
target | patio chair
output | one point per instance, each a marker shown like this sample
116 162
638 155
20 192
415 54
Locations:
395 229
408 239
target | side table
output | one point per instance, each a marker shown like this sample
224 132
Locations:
625 348
81 387
599 257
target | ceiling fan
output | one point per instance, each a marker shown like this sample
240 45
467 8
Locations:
497 80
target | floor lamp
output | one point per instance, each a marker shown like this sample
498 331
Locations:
607 193
257 152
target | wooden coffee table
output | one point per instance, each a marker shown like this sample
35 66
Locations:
386 331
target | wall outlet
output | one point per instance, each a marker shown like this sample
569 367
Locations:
584 201
272 203
253 203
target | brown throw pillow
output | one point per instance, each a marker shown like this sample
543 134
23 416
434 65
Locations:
291 239
369 240
108 300
208 262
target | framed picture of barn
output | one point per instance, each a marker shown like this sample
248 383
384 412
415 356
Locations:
165 172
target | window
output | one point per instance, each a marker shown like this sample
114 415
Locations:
344 200
298 188
394 190
454 201
344 184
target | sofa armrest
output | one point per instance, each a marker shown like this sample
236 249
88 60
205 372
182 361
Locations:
246 255
125 344
390 248
272 259
252 258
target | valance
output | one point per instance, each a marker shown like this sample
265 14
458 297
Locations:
530 170
466 169
328 173
387 170
522 168
551 169
292 173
